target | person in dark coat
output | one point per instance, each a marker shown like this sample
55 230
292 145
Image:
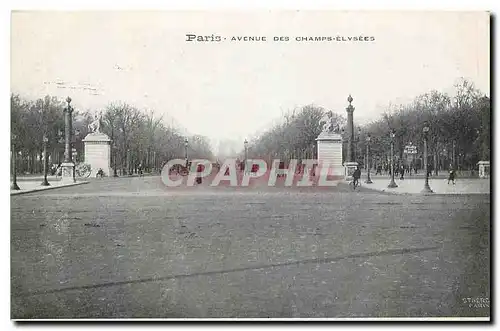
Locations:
451 176
356 176
199 170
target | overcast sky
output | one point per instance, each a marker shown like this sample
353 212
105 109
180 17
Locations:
232 89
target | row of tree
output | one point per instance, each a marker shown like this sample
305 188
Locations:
138 136
459 131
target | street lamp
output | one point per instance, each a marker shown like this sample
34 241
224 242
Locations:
401 169
115 174
74 149
344 155
129 162
45 161
356 141
392 184
368 139
186 142
14 163
245 143
425 131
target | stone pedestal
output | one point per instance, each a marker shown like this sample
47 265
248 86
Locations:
68 172
330 152
484 169
98 153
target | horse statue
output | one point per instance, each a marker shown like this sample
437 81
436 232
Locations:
95 126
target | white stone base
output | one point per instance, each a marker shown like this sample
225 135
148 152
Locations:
98 153
349 169
68 172
330 154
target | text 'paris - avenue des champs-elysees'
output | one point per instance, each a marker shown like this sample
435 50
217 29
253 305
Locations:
218 38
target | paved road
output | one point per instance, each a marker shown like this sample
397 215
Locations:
130 247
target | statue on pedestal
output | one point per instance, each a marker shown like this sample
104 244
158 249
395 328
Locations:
328 125
95 126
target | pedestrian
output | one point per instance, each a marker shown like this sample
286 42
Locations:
356 176
139 168
199 171
451 176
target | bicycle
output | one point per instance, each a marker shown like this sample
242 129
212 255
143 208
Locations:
355 183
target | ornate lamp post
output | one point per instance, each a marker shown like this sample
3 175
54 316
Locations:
186 143
427 189
14 164
45 161
245 143
350 130
67 130
392 184
68 167
350 165
368 139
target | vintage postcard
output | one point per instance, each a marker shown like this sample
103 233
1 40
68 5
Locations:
250 165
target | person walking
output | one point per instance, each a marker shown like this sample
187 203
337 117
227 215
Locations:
355 177
451 176
199 170
140 170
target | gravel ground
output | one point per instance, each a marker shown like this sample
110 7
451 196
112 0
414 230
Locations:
130 247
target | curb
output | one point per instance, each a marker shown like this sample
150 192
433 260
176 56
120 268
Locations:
45 188
385 190
134 175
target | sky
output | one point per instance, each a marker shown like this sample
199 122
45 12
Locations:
232 89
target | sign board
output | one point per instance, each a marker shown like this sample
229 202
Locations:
410 149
